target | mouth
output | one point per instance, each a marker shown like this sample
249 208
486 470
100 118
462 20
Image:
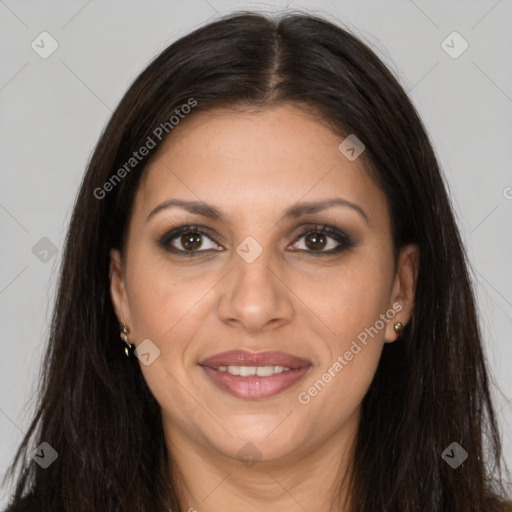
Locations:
250 375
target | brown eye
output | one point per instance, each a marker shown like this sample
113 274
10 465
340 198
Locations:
323 240
191 241
188 241
316 241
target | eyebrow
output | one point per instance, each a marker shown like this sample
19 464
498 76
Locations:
298 210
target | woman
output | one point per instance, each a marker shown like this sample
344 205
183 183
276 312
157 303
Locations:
265 226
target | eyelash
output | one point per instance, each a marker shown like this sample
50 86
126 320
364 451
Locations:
343 239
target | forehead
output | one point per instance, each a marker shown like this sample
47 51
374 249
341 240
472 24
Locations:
264 159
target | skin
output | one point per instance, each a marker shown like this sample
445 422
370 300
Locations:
252 166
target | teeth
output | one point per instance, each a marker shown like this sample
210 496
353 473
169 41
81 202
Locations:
266 371
250 371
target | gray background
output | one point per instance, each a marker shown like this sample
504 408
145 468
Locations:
52 112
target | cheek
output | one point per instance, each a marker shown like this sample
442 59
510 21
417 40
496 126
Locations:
348 299
163 300
169 311
350 302
169 306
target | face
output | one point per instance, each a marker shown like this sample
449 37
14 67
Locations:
286 255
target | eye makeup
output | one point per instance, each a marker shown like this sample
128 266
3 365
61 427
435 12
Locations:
315 232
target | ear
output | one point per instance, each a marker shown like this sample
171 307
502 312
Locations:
118 288
403 289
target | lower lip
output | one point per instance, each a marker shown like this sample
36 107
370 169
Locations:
255 387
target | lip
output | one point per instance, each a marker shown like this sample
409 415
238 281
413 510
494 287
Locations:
246 358
255 387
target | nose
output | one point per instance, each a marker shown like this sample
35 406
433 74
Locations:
255 297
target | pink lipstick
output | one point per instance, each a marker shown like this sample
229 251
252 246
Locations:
254 375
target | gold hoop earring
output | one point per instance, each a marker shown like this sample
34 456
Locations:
128 349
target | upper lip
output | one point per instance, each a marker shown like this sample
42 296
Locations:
246 358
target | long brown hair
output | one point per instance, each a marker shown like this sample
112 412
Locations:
431 387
